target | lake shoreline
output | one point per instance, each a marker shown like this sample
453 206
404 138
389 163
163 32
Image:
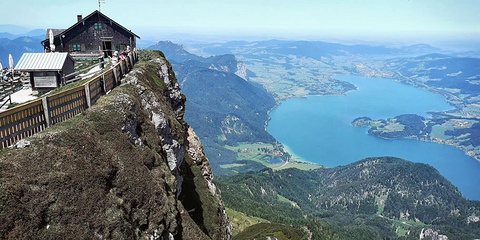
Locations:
319 128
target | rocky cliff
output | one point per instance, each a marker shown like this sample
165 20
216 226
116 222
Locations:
130 167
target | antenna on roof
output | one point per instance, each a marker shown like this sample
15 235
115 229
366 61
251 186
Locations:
99 5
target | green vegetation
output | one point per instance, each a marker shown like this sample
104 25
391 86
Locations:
298 165
13 104
407 125
380 202
262 153
240 221
272 230
376 198
105 174
295 78
441 128
233 165
258 152
223 108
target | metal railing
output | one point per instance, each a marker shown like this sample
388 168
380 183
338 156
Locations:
27 119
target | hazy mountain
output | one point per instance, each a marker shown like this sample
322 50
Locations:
174 52
418 49
18 46
37 33
143 43
314 49
17 40
177 53
13 29
7 35
442 71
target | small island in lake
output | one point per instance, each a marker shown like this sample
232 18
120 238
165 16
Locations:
463 133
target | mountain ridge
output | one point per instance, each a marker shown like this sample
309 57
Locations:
129 167
223 108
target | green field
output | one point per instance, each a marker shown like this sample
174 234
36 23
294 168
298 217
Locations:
240 221
233 165
262 153
258 152
438 131
295 77
298 165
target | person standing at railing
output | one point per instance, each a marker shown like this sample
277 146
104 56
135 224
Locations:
122 56
114 58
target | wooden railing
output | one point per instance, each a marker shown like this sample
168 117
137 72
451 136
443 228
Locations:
27 119
6 90
67 104
21 122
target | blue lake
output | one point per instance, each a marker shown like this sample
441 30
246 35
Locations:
318 129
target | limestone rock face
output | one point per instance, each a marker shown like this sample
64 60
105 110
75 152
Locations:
241 70
129 167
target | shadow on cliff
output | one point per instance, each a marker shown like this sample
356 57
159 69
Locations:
191 200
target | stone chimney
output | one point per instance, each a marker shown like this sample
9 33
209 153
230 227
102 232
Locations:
79 18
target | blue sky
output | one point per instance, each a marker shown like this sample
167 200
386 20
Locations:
368 19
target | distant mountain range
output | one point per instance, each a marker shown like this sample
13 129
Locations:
37 33
17 40
15 29
315 49
18 46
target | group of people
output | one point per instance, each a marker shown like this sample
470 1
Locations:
6 74
119 56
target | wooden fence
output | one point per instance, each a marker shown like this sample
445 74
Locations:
27 119
7 89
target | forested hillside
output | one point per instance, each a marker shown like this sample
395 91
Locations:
373 198
223 108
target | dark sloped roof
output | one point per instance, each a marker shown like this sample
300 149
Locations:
42 61
84 19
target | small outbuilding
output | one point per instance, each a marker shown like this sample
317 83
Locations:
47 70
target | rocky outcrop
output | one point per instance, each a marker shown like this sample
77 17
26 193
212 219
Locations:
431 234
241 70
129 167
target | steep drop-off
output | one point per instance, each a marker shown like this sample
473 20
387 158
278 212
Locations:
224 107
130 167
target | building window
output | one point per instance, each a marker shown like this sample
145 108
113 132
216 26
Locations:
77 47
117 47
98 26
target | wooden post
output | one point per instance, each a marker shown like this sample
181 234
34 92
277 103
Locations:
121 67
63 80
103 83
115 76
46 111
130 57
87 94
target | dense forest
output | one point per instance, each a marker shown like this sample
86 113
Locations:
375 198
